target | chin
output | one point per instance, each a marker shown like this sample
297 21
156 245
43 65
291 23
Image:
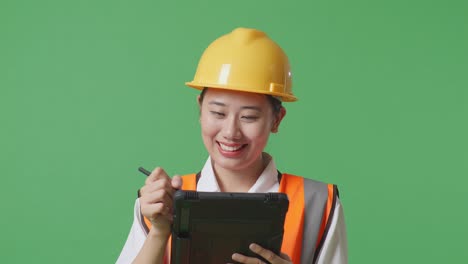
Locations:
229 163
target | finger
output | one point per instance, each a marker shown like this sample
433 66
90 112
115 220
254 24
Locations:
176 182
246 260
155 211
159 196
156 174
285 256
156 185
265 253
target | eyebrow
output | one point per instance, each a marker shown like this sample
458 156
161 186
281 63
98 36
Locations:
217 103
256 108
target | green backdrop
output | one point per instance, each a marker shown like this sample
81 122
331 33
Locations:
90 90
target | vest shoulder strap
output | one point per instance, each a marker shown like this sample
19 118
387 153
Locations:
308 218
329 210
189 182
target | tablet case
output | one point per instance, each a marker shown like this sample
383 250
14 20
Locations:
209 227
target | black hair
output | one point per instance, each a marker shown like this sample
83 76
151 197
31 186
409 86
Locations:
274 102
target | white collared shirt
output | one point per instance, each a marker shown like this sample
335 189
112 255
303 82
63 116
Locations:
334 250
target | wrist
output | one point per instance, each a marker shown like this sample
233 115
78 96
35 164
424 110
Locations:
155 232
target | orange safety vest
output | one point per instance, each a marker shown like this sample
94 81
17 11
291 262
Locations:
311 207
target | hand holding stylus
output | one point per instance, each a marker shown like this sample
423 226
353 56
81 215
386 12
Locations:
157 197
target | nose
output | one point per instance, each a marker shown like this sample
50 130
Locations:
231 129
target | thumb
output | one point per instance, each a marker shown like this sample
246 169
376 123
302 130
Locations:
176 182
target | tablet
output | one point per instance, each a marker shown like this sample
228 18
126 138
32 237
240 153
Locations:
209 227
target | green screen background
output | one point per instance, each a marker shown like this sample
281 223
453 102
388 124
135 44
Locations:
91 90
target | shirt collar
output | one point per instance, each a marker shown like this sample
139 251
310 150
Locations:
266 182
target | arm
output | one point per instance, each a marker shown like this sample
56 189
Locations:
139 242
153 249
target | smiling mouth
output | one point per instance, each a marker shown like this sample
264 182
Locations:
231 148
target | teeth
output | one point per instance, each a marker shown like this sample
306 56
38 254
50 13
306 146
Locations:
229 148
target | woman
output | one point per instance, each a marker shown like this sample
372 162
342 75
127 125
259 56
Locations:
244 77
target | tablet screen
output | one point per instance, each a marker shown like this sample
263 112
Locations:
210 226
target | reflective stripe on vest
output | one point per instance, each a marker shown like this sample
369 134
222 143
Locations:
307 221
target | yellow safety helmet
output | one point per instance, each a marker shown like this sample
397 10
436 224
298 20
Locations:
245 60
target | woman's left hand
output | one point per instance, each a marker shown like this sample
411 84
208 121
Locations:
265 253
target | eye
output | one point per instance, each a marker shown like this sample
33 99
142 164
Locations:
217 114
250 117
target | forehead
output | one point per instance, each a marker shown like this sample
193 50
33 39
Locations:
235 97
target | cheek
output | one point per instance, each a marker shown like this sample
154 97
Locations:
208 127
258 134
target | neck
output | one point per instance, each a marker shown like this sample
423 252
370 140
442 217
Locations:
240 180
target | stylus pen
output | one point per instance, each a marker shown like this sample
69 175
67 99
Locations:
145 172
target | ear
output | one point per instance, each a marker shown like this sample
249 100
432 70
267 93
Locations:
278 119
199 107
